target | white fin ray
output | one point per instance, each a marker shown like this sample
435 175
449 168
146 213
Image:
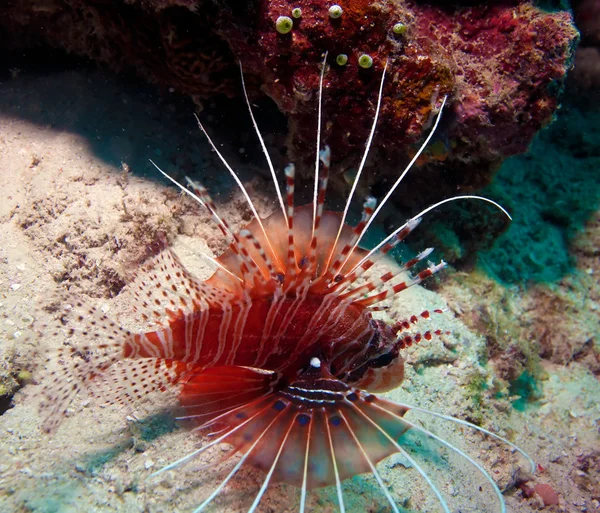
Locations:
318 155
480 469
360 169
398 181
417 218
406 169
338 484
267 479
223 226
477 428
404 453
370 463
193 454
237 466
237 181
263 146
305 468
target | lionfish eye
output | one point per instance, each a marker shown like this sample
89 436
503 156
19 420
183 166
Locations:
382 361
338 278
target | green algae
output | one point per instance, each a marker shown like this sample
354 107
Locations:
475 389
551 191
155 426
96 461
553 5
528 390
63 497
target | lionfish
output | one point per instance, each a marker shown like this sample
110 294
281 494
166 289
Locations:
277 353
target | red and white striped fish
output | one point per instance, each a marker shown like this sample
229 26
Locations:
277 353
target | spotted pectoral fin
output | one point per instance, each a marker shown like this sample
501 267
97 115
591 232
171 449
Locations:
68 371
138 385
90 358
163 289
89 344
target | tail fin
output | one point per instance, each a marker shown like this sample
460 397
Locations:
71 367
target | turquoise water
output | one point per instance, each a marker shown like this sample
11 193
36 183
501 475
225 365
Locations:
552 191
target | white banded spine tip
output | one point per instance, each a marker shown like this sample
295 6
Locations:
411 224
290 170
443 104
424 254
431 269
370 202
196 185
325 156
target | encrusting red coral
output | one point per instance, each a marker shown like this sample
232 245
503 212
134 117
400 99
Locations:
502 66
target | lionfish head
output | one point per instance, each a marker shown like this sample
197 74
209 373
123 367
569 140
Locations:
383 368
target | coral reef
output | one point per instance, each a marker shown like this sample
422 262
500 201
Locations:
587 58
501 65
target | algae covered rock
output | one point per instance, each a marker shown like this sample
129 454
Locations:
502 67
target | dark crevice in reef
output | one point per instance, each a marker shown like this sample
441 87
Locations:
10 384
42 60
6 403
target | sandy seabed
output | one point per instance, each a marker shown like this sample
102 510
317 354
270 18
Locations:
81 209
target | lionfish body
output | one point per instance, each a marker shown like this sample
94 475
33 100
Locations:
277 354
280 322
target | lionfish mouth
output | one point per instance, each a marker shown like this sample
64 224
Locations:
277 354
